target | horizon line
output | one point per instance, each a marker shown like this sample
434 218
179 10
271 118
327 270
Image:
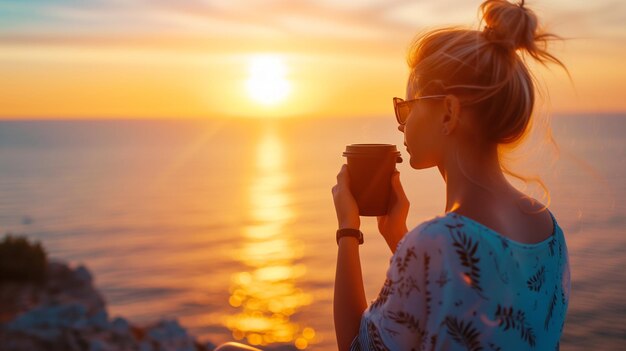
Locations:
589 114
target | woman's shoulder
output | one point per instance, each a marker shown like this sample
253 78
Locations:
435 230
438 225
453 228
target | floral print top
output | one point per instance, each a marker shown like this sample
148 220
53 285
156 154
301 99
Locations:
455 284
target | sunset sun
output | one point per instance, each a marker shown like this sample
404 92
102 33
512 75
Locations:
267 83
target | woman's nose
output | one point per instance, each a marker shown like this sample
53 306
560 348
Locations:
401 128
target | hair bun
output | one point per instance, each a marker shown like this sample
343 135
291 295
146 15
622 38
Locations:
510 25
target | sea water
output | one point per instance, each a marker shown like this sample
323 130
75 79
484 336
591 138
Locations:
228 225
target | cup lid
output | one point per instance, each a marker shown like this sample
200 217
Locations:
372 150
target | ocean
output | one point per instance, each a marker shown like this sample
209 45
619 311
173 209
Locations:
228 225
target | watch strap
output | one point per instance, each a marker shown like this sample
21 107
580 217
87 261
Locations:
355 233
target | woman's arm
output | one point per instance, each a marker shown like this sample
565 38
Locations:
349 300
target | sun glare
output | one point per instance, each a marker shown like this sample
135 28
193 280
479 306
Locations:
267 83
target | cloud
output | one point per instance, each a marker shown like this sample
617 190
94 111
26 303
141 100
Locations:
202 18
337 23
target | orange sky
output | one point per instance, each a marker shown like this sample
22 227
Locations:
135 59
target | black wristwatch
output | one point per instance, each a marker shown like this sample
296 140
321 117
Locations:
350 232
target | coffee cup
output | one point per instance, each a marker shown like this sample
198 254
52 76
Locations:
370 167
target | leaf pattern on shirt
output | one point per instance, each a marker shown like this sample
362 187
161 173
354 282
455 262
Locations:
534 283
494 347
376 341
466 250
433 342
551 244
406 286
550 309
430 223
392 332
516 321
443 278
426 282
385 291
505 244
464 334
403 261
504 276
406 320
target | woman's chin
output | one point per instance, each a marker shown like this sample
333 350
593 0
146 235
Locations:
414 163
418 164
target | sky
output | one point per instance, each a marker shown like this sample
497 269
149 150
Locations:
329 58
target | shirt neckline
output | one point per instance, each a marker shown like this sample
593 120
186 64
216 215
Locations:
509 240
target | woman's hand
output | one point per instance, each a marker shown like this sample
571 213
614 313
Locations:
345 204
392 226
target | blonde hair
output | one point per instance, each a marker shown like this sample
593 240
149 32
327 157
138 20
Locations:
487 70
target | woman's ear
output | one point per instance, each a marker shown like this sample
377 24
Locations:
451 114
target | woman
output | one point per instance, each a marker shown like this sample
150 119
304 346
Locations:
492 273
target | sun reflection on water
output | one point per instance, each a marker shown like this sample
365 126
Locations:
266 293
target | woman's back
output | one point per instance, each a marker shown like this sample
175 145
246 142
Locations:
454 283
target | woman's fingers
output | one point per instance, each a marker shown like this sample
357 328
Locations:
345 205
343 181
342 176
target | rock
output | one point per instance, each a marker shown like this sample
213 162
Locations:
67 313
169 335
17 342
100 320
208 346
97 345
65 285
120 326
83 275
48 318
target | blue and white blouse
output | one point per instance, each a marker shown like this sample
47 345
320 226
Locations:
455 284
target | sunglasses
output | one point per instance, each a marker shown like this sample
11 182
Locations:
403 108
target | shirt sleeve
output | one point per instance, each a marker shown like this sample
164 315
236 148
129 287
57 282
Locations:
398 318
